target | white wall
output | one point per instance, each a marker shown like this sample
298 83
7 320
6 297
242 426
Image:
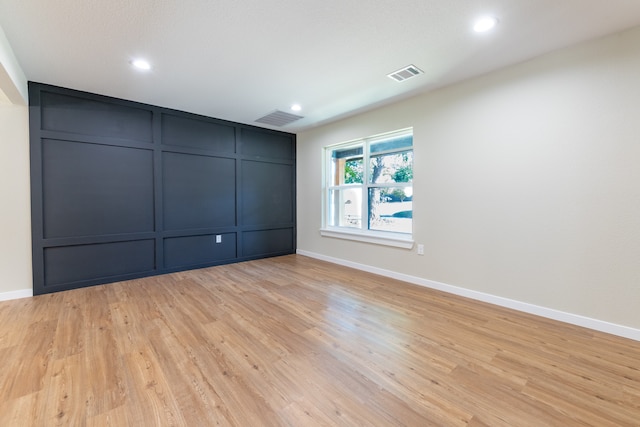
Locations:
15 210
15 219
527 183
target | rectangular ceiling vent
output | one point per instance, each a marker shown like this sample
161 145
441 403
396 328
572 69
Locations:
279 118
405 73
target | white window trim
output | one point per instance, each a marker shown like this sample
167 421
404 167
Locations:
385 238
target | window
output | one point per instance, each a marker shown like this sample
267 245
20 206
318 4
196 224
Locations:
369 188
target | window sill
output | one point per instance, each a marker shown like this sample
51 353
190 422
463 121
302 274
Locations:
377 238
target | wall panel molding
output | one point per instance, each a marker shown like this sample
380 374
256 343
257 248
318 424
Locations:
122 190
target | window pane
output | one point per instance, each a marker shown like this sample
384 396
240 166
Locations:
397 143
391 209
346 152
345 208
353 171
387 168
347 169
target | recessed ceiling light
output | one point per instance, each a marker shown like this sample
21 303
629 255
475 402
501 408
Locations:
296 107
485 23
141 64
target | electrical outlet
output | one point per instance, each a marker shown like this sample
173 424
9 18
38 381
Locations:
218 238
420 249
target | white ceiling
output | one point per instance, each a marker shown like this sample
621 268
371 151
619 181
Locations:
242 59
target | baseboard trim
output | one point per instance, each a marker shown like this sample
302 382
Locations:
549 313
22 293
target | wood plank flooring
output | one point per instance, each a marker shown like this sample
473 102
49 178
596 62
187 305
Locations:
292 341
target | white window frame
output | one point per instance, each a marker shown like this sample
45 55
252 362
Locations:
362 234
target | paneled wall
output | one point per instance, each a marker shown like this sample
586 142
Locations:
123 190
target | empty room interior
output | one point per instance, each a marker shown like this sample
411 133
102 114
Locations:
337 213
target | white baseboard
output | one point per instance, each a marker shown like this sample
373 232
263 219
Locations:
574 319
22 293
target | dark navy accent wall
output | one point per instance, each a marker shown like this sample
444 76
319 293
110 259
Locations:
122 190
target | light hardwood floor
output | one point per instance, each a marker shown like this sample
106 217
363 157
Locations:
293 341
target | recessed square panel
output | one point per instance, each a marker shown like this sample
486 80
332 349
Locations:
199 191
193 250
72 114
68 264
267 242
267 144
203 134
92 189
267 193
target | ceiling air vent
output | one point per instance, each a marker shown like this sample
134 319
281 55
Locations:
405 73
279 118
